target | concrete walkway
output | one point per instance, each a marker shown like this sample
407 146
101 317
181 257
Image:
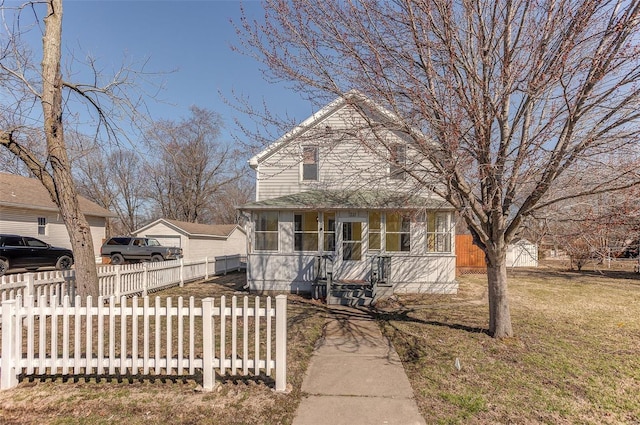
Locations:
356 377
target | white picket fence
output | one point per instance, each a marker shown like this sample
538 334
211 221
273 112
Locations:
128 279
49 338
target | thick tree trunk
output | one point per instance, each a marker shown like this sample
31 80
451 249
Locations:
62 189
499 313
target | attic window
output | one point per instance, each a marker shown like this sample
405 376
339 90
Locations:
310 163
397 162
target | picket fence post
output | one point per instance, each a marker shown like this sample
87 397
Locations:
181 272
281 343
31 277
206 268
8 365
208 374
145 279
118 283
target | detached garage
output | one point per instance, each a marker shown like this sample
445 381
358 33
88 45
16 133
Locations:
197 240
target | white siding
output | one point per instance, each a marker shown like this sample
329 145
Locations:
347 159
201 247
409 274
22 221
98 232
198 247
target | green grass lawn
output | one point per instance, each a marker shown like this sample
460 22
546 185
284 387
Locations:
575 356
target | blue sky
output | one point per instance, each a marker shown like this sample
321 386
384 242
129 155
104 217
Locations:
191 38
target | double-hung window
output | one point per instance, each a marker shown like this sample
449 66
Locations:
398 232
42 226
310 163
266 231
305 232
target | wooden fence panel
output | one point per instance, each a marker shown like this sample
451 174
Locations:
469 258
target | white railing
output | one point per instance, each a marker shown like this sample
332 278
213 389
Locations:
140 339
128 279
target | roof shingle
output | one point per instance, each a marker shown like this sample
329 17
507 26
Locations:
23 192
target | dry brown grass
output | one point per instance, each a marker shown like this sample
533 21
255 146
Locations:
574 359
175 401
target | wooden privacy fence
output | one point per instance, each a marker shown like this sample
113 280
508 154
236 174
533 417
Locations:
128 279
469 258
141 339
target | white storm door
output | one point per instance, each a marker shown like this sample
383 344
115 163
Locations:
350 259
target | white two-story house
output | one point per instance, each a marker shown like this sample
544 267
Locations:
335 203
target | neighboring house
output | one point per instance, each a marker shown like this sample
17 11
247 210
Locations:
327 200
197 240
27 209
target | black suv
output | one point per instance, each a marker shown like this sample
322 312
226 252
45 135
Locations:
24 252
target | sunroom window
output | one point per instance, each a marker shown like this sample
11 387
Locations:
398 232
305 231
375 231
438 232
266 231
329 232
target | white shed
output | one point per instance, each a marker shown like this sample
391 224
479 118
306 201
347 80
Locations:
522 254
197 240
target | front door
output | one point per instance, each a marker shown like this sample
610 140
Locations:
350 262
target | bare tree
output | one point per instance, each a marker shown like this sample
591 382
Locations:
24 86
500 97
116 181
226 201
596 229
192 168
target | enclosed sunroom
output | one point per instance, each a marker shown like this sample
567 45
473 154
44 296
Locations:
350 244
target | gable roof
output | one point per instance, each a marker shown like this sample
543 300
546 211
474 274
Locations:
351 97
349 199
195 229
29 193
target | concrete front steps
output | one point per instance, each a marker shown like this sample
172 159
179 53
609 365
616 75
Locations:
355 294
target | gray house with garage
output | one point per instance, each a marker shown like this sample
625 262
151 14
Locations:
27 209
